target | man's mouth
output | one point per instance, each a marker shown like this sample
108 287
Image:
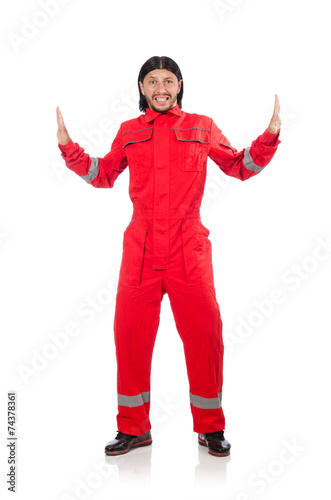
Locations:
161 99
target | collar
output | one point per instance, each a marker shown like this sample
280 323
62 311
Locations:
150 114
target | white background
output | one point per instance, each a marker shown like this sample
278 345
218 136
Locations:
61 244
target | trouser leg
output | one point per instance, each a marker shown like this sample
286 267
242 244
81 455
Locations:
136 321
199 324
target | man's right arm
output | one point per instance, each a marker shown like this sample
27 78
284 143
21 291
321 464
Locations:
99 172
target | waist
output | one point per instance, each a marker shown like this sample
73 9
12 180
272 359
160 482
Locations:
177 214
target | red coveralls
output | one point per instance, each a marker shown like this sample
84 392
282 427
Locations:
166 249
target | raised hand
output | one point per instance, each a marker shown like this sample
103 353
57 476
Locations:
62 133
275 121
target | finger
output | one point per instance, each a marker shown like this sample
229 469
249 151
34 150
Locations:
277 105
58 116
60 121
274 119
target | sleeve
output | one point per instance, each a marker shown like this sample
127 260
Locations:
99 172
246 163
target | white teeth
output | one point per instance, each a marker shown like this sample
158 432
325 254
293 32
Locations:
161 98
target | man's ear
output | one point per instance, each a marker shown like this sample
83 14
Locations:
180 85
141 88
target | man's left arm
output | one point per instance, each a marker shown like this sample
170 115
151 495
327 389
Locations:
251 160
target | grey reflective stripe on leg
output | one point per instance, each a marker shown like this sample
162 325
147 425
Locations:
206 403
248 162
132 401
93 171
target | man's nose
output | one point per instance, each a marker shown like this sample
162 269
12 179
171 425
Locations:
161 88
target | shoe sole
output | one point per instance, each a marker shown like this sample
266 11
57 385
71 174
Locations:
136 445
212 452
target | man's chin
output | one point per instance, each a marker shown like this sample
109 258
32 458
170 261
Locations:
161 110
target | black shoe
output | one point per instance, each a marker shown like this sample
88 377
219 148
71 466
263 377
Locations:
216 443
124 442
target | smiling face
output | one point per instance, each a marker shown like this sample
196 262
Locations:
160 88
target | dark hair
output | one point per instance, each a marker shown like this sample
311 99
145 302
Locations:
157 62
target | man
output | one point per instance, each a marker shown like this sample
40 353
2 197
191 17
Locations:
166 248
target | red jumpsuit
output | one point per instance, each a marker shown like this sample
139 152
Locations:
166 249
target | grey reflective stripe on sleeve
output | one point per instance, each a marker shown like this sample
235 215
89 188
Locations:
206 403
93 171
248 162
132 401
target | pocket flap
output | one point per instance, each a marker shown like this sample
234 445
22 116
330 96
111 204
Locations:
194 134
133 136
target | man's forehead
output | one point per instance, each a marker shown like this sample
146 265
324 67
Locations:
160 73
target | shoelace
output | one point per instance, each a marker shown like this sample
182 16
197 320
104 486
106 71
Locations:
122 434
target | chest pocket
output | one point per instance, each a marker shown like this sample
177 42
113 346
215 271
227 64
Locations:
192 148
138 148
